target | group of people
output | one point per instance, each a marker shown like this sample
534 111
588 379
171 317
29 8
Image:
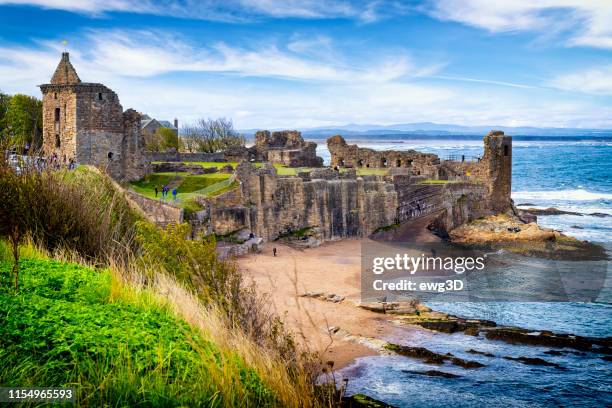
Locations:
164 192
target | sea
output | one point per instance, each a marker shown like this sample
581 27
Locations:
568 173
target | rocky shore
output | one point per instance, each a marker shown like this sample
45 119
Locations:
511 233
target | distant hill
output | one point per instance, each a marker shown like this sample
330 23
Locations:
429 129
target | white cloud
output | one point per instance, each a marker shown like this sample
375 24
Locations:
588 22
87 6
596 81
228 10
144 54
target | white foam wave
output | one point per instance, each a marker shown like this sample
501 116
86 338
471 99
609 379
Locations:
561 195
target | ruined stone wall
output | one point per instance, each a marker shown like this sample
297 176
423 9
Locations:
285 147
345 155
339 205
493 170
156 211
184 157
271 206
133 162
497 167
99 121
59 136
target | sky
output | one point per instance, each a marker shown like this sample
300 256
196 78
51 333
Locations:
311 63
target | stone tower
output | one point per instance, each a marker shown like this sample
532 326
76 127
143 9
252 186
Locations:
85 122
497 168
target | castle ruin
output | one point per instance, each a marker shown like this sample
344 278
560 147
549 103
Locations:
340 204
85 123
285 147
493 169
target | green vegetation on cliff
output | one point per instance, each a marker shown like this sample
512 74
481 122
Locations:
74 326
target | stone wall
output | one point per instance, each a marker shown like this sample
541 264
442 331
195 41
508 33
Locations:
339 205
271 206
59 136
134 165
285 147
175 156
157 211
345 155
493 170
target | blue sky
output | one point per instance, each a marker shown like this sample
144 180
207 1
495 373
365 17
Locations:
297 64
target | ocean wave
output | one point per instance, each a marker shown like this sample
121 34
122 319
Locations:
561 195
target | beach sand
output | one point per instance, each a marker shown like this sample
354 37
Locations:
332 268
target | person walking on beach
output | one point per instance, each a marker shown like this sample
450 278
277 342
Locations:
174 192
274 251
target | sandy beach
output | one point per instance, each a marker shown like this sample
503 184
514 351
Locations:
332 268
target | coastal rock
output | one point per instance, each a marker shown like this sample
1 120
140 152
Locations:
550 211
482 353
432 373
450 324
515 335
363 401
534 361
397 308
329 297
508 232
430 357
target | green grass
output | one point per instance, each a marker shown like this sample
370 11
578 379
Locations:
188 186
432 181
73 326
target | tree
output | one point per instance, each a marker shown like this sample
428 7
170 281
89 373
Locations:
17 190
24 120
168 137
163 139
5 100
211 135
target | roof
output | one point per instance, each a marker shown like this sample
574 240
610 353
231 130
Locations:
166 123
147 120
65 74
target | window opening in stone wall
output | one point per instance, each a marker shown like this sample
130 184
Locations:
110 155
360 163
409 163
398 163
383 162
99 96
506 150
57 114
55 95
58 142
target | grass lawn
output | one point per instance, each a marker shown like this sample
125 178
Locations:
432 181
188 185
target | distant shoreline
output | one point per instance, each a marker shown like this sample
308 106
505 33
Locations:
399 137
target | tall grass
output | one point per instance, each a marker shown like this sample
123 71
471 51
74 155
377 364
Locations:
115 344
